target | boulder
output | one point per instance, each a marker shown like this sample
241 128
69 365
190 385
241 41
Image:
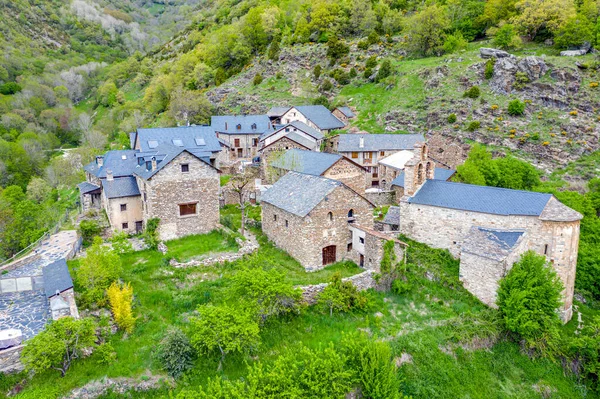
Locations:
485 52
573 53
534 67
504 75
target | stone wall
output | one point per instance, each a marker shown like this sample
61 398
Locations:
349 173
170 187
305 238
446 228
132 214
381 198
271 152
10 360
246 144
362 281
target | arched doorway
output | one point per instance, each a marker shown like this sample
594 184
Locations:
329 255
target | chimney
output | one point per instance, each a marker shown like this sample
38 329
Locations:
225 125
153 163
361 142
109 175
100 160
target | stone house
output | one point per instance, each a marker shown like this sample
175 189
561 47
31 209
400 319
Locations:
309 217
316 116
397 184
496 222
344 114
331 166
368 149
241 133
182 190
122 202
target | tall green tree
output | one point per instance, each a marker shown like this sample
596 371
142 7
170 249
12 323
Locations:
426 30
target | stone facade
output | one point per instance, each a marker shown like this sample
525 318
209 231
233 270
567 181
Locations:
294 115
349 173
367 247
382 197
163 193
123 220
10 360
240 145
340 115
325 226
271 152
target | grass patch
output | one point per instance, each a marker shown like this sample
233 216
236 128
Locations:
194 246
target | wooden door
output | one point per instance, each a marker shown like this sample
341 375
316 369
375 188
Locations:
329 254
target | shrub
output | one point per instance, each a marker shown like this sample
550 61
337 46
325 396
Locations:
472 92
88 230
175 353
384 71
97 271
367 73
336 49
257 79
454 43
516 108
363 45
120 299
371 62
473 125
521 79
10 88
528 298
120 243
373 38
321 100
341 296
340 76
353 73
151 233
279 75
326 85
61 342
452 118
506 37
317 71
488 72
593 85
105 354
274 49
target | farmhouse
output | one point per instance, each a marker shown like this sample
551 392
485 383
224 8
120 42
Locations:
488 227
316 116
241 133
331 166
344 114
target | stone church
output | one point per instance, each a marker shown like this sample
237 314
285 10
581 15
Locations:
488 228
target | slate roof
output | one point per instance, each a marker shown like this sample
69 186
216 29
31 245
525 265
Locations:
276 112
378 142
120 187
392 216
87 187
346 111
56 278
120 162
299 193
493 244
303 141
295 125
227 124
469 197
438 174
320 116
192 137
165 154
309 162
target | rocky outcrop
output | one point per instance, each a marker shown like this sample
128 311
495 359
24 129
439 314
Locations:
486 53
505 72
583 50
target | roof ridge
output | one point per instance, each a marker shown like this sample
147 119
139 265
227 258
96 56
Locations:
487 187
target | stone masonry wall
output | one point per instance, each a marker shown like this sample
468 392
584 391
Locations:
305 238
381 198
272 151
446 228
170 187
132 214
10 359
362 282
349 173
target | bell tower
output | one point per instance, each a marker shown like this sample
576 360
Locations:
418 169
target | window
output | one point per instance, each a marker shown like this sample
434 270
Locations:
286 223
330 217
351 215
178 142
238 127
123 207
354 155
253 126
349 246
185 167
125 226
274 218
145 197
200 141
382 153
236 142
361 240
152 143
546 249
187 209
254 142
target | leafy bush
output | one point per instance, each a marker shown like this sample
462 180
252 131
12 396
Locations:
340 76
321 100
61 342
472 92
317 71
120 243
584 351
371 62
151 233
528 299
120 299
88 230
257 79
97 271
341 296
353 73
373 38
577 30
336 48
521 79
488 72
105 354
516 108
10 88
274 48
385 70
506 37
454 43
473 125
224 329
175 353
326 85
452 118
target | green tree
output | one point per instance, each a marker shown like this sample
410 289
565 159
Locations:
455 42
55 348
175 353
528 299
274 48
384 71
257 79
223 329
38 190
574 32
426 30
107 94
506 37
336 48
188 107
341 296
302 32
537 15
97 271
516 107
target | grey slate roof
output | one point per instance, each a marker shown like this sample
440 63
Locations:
299 193
311 145
120 187
56 278
320 116
378 142
392 216
165 154
87 187
276 112
292 126
346 111
469 197
438 174
191 137
494 244
228 124
113 161
309 162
